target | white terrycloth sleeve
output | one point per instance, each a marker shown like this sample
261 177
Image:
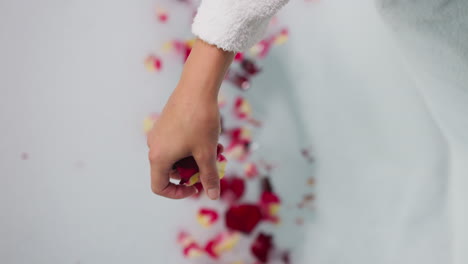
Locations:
234 25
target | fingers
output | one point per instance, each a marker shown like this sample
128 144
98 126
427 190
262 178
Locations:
174 191
206 161
161 171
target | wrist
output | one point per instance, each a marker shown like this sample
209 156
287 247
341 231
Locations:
199 89
205 69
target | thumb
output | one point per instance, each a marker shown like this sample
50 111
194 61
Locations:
206 161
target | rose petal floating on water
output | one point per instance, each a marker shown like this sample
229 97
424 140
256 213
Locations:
243 218
251 170
262 246
286 257
249 67
189 172
189 43
270 198
179 45
239 80
190 247
162 14
243 134
193 250
266 185
306 153
149 121
184 238
153 63
232 188
239 56
183 48
270 204
282 37
167 46
240 143
259 48
238 150
188 48
207 217
262 48
223 242
242 108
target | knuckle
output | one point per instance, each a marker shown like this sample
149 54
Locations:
154 155
210 178
205 156
202 159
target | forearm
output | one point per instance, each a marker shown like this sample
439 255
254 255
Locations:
204 70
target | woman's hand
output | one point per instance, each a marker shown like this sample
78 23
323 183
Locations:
189 125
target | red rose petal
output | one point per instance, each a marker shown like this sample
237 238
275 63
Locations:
249 67
251 170
286 257
239 56
269 202
262 247
162 15
188 168
269 197
239 146
221 243
192 250
264 47
182 48
208 216
153 63
232 188
242 108
243 218
190 247
240 81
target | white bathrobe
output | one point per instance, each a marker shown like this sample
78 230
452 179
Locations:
385 102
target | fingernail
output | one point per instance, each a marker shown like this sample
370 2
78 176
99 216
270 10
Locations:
213 193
